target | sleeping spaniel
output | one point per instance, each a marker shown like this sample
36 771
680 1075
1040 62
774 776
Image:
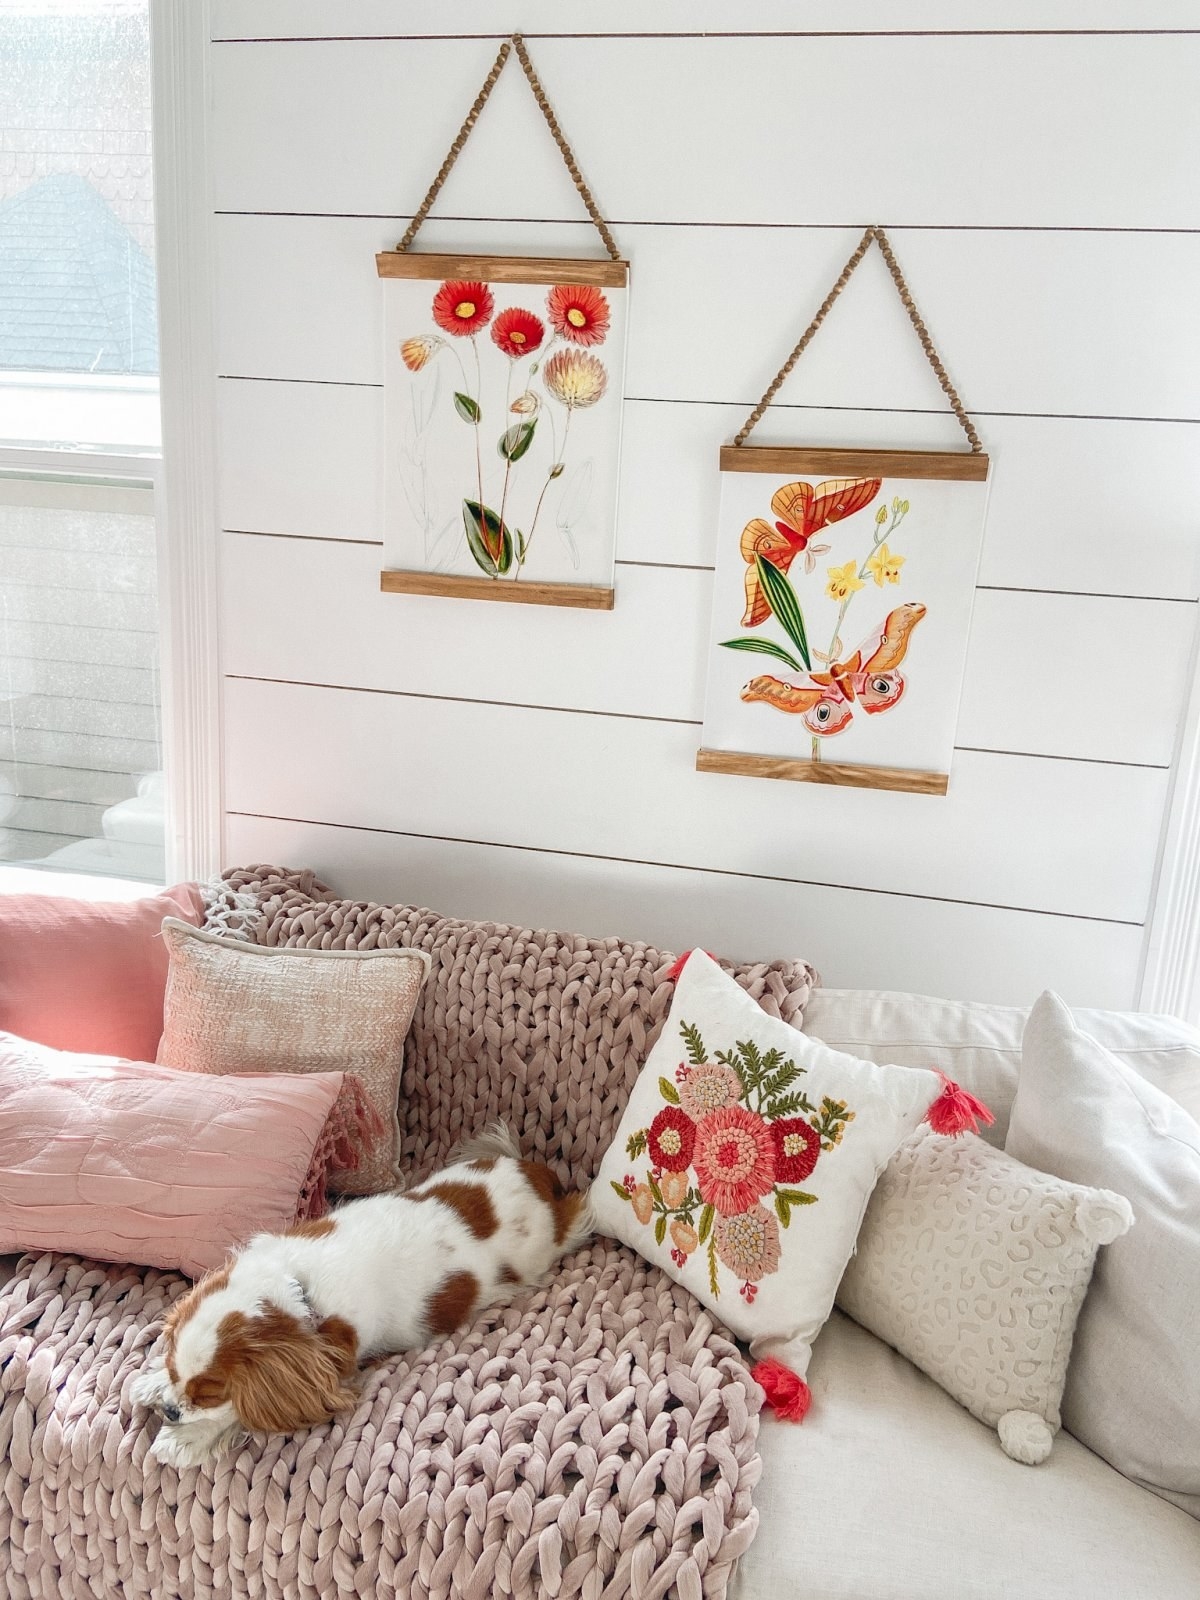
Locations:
271 1342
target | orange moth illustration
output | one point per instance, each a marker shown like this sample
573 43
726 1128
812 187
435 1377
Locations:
868 678
800 511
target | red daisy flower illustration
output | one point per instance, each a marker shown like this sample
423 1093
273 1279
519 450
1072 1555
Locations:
671 1138
518 332
461 308
578 312
797 1146
734 1158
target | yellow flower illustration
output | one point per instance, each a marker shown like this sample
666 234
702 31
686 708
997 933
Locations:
881 516
843 581
885 566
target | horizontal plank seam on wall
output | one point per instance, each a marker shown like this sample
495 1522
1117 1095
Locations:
313 538
778 227
673 400
1050 755
462 699
329 383
685 566
680 866
709 33
633 716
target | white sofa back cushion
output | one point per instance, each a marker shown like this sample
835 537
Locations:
979 1046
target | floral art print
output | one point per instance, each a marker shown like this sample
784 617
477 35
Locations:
721 1167
503 413
841 613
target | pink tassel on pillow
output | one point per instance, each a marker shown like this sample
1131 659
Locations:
677 966
788 1396
351 1128
956 1111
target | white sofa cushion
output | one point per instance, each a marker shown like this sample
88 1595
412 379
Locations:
890 1491
979 1046
974 1266
1133 1389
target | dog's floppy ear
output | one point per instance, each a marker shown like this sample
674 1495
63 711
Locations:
283 1375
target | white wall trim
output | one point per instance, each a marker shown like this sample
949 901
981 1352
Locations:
187 540
1170 979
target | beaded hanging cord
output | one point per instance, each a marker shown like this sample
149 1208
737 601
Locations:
877 236
516 43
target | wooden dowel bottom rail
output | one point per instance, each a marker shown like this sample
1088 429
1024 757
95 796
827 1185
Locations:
804 771
506 590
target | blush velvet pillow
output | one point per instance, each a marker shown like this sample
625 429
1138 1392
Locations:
125 1161
233 1007
745 1160
88 975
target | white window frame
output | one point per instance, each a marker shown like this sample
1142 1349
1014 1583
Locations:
187 509
184 489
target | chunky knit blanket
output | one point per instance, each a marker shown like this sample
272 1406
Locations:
597 1438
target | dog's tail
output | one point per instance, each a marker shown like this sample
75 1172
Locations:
577 1220
497 1139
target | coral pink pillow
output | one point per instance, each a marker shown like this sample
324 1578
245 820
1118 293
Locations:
89 975
124 1161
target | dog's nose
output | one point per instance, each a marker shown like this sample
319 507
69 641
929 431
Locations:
170 1411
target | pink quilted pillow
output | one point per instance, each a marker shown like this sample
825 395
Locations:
89 975
125 1161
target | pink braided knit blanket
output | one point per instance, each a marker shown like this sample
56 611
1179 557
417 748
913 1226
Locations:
597 1438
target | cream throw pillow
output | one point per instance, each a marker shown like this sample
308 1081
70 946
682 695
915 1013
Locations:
235 1007
975 1268
744 1162
1133 1391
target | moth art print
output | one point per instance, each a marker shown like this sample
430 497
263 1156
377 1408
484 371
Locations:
853 597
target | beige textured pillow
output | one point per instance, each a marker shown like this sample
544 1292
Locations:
975 1268
233 1007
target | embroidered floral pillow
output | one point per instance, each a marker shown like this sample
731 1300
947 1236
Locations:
745 1161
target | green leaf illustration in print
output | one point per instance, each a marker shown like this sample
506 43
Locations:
782 599
490 542
763 647
515 441
467 408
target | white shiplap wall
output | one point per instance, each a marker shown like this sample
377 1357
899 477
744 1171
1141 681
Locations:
1036 174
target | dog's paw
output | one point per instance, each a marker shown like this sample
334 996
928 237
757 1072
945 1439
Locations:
180 1447
149 1387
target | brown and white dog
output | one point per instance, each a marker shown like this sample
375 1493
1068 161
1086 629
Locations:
271 1341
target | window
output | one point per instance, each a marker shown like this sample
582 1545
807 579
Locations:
81 779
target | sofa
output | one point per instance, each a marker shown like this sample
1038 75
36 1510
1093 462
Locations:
659 1473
